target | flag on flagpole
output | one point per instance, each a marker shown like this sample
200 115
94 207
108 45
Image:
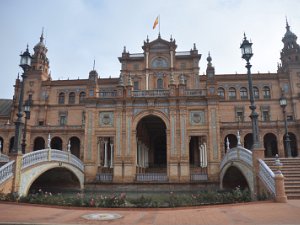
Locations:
155 23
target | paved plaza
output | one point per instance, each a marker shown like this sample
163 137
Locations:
250 213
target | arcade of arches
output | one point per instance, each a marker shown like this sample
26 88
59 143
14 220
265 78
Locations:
270 144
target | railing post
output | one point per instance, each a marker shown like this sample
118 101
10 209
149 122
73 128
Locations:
17 173
280 195
257 153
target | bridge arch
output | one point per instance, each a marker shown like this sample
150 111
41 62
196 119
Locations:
30 175
237 161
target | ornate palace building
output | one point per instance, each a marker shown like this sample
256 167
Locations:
159 121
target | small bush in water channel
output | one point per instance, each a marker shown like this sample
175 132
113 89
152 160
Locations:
170 199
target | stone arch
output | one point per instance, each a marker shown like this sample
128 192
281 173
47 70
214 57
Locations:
2 143
233 178
145 113
248 141
75 146
232 141
270 145
293 144
39 143
244 169
151 142
57 143
31 174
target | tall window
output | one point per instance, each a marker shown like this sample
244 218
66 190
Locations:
72 98
232 93
160 83
243 93
63 120
81 97
266 92
61 98
221 93
256 92
265 115
135 85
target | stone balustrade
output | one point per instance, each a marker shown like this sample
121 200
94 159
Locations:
267 176
6 171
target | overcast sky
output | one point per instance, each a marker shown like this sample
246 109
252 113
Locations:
79 31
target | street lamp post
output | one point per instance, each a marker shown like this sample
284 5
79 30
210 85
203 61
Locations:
27 117
283 104
246 48
25 63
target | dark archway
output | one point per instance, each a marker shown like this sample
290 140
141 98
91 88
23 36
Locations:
75 146
39 143
56 180
232 141
56 143
293 144
234 178
151 134
270 145
2 144
248 141
11 143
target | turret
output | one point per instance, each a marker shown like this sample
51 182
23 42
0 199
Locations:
40 62
290 53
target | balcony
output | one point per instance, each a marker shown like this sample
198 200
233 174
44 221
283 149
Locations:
151 93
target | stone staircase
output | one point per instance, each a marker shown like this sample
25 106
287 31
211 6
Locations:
291 173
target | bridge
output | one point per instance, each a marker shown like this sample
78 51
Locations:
29 167
239 166
243 164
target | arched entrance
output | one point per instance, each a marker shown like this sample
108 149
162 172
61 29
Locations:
248 141
232 141
293 144
11 143
151 145
2 143
56 180
56 143
270 145
75 146
39 143
234 178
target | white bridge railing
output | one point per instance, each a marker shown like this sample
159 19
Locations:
45 155
238 153
267 176
6 171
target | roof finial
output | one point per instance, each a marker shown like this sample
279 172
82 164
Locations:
147 39
287 24
171 38
42 35
245 38
94 64
124 49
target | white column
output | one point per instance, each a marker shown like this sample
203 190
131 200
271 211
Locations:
105 154
204 155
200 155
111 155
99 152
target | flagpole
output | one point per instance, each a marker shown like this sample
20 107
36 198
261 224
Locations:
159 25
